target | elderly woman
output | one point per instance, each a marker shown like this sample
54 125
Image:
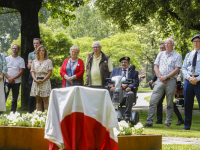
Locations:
72 69
3 71
41 70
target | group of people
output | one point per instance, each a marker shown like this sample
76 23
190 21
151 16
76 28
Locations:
98 67
167 66
11 69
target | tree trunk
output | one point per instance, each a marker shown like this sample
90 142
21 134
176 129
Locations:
29 31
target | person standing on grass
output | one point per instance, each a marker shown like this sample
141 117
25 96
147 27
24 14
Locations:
16 67
3 71
31 56
191 72
160 103
166 66
41 71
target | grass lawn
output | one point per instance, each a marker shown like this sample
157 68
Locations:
144 90
180 147
173 131
196 105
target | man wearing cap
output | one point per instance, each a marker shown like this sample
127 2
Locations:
166 66
191 72
98 67
129 74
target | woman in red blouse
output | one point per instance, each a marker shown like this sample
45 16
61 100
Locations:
72 69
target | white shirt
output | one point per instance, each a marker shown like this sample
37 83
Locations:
14 65
168 62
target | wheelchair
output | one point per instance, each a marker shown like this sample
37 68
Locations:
119 96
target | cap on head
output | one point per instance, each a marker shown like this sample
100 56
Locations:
125 58
196 36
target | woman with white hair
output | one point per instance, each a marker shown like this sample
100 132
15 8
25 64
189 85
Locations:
72 69
3 71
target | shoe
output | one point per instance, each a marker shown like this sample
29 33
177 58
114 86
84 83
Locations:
147 125
186 128
167 125
158 122
180 122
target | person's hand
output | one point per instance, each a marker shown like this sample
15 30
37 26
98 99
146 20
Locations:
193 80
71 82
163 79
128 89
112 89
39 81
150 82
69 79
11 80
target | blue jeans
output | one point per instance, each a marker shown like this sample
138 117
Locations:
15 92
190 91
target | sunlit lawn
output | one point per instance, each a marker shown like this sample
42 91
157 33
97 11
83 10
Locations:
196 106
144 90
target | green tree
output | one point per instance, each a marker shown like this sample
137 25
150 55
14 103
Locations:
28 10
131 12
88 23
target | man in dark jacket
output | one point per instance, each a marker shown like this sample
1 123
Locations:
130 89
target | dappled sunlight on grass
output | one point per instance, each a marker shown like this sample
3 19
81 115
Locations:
173 130
180 147
144 90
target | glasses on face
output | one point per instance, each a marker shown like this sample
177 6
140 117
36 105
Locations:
124 62
15 48
95 47
196 42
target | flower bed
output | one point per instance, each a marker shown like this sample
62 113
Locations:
23 132
132 138
36 119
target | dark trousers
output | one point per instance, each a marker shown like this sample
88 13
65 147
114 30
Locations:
160 110
15 92
32 100
190 91
129 98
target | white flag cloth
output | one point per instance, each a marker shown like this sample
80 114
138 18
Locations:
81 118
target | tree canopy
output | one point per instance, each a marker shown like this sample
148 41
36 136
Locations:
130 12
29 10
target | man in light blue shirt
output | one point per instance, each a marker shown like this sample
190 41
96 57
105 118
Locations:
191 72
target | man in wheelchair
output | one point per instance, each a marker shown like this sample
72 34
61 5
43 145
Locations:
129 83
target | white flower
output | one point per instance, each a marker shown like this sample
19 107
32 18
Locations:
125 128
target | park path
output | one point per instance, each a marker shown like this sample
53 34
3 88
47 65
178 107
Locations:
143 105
